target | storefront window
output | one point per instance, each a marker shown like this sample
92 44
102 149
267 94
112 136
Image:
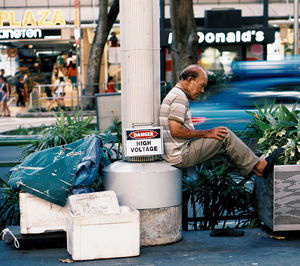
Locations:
219 59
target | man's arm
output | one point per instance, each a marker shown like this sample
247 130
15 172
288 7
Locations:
179 131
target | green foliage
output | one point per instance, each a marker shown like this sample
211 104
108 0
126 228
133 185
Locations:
277 126
66 129
112 138
9 205
218 193
260 118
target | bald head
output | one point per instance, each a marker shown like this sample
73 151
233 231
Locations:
193 79
192 71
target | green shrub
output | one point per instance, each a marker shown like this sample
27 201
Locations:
277 126
65 130
9 205
112 137
219 193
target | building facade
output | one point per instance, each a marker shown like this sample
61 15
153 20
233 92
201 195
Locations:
33 33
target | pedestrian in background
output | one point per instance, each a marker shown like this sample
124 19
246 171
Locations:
20 91
72 74
0 91
60 93
60 62
2 72
48 92
28 86
4 110
113 40
110 85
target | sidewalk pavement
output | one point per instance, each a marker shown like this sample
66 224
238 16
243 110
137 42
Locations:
12 123
197 248
28 120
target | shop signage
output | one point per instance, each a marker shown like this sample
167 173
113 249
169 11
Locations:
233 36
20 34
238 36
141 142
40 18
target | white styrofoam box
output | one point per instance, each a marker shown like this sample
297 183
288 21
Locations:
40 216
93 203
100 233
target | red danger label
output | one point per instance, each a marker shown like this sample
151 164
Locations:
143 134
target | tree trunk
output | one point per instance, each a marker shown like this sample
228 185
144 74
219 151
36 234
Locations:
105 23
184 36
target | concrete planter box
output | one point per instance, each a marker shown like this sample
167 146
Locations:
278 198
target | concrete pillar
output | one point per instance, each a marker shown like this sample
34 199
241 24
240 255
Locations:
145 183
154 188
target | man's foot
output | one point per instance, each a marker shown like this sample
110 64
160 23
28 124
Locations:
271 160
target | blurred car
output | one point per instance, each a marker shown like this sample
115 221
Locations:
226 106
262 69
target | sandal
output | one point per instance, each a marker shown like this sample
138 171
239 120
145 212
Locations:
227 232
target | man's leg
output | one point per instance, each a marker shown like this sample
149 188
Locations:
203 149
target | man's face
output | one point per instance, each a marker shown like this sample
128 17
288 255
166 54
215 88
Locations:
196 86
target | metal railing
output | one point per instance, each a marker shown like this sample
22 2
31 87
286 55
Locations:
75 97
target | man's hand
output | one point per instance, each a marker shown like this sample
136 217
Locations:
179 131
217 133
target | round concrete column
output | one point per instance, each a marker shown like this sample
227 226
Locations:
154 188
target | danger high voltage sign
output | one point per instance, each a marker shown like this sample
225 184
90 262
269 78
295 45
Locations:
141 142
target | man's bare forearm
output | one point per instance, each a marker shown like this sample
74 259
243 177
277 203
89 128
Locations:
178 130
186 133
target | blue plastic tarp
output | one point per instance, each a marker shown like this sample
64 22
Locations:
55 173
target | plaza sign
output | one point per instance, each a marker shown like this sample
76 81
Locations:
233 36
41 18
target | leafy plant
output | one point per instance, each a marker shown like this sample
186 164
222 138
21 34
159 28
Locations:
112 139
260 118
66 129
278 127
9 205
218 194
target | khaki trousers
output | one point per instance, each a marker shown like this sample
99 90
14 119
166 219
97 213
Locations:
200 150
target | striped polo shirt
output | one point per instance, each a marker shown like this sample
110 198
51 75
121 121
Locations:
175 106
